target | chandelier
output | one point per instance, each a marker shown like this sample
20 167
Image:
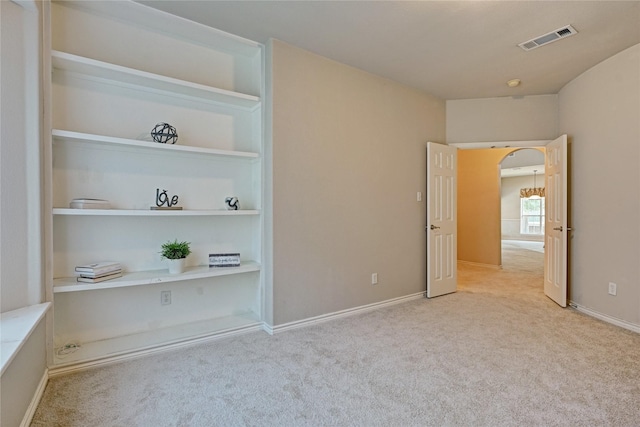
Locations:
525 193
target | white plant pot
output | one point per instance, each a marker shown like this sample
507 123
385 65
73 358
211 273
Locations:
176 266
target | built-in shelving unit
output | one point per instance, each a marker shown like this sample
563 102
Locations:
116 71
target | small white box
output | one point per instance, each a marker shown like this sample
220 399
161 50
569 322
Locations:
89 204
224 260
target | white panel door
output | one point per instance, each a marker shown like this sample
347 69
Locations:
442 249
556 221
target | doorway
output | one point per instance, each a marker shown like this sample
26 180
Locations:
522 201
479 229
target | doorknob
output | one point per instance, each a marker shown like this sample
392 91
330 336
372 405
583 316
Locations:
560 228
433 227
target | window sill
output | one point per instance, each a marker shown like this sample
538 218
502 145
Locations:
17 326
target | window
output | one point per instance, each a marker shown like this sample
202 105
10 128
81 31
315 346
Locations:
532 215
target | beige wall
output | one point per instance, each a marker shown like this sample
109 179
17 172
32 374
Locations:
479 205
600 111
502 119
348 157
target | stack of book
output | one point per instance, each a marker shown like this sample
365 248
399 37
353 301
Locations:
98 272
89 204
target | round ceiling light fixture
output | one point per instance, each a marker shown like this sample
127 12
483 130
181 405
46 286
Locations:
513 83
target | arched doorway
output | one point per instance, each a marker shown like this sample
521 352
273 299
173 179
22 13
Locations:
522 210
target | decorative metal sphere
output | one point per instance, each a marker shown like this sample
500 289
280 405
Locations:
164 133
233 204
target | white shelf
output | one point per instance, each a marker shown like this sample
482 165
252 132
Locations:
153 277
137 79
164 337
142 212
144 16
65 135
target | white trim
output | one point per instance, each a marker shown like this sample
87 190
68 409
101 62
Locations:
35 401
271 330
613 320
500 144
82 366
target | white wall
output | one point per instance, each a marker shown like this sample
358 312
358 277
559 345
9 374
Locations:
13 248
348 158
600 111
20 226
21 259
502 119
21 378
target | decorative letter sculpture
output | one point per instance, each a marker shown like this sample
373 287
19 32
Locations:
162 199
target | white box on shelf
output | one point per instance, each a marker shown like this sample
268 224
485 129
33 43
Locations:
224 260
89 204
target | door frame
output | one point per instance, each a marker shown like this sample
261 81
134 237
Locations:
501 144
515 145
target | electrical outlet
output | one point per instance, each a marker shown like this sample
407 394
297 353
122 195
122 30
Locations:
374 279
419 196
165 297
613 288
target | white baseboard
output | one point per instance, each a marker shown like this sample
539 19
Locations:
136 354
614 321
338 314
35 401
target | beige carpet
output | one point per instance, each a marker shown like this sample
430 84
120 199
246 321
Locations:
496 353
522 256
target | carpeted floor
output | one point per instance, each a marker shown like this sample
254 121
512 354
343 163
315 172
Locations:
496 353
523 256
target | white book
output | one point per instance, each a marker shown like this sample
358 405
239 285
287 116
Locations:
98 268
99 279
96 275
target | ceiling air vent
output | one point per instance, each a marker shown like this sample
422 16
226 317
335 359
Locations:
551 37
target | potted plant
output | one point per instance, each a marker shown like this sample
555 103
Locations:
175 252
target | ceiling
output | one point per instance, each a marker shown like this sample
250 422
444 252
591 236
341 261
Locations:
524 171
523 162
450 49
